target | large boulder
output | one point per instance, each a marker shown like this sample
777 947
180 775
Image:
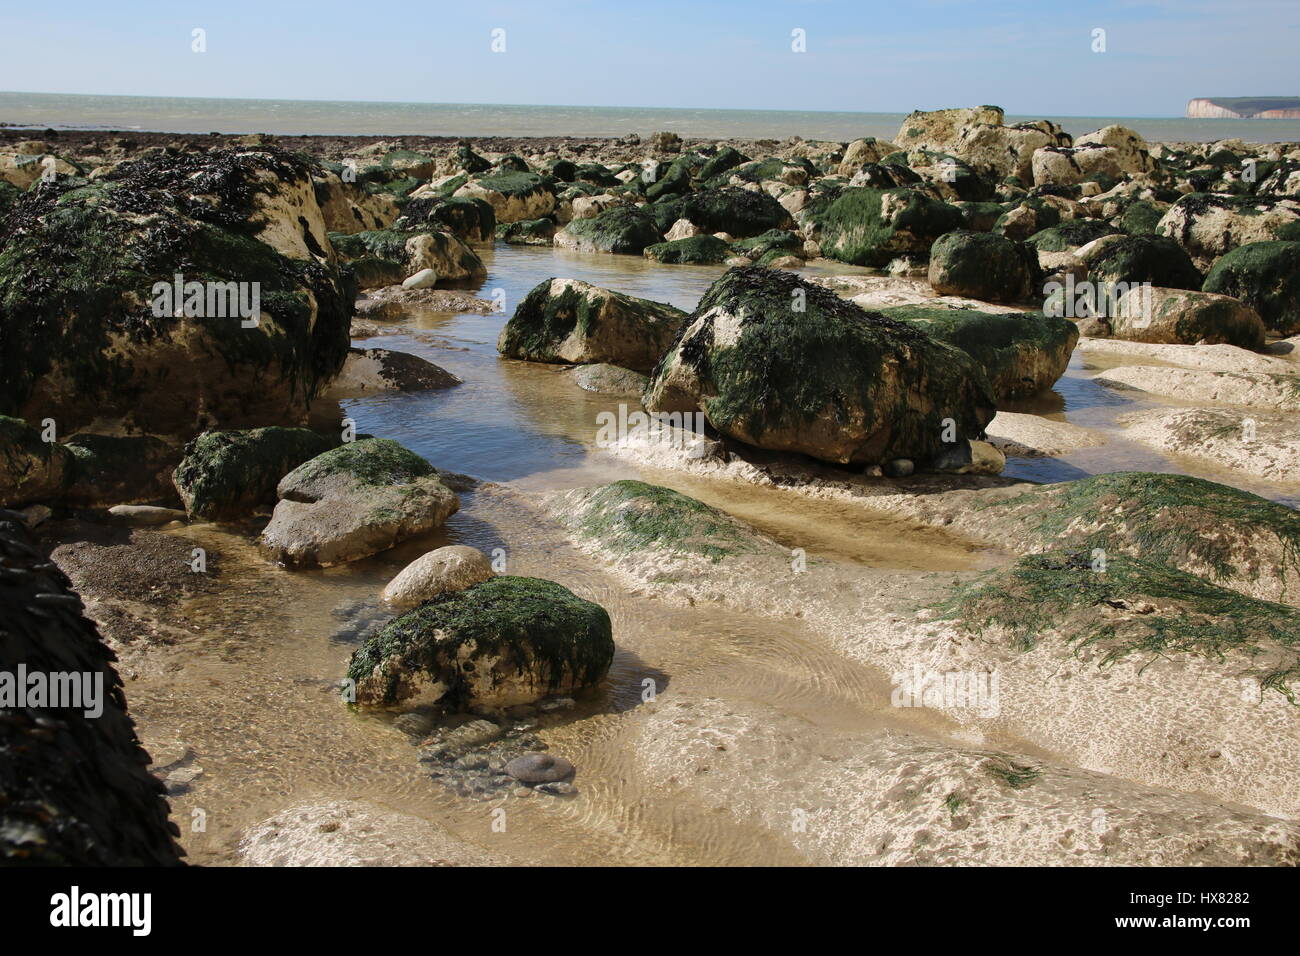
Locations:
513 195
226 474
942 129
1209 225
1139 259
468 218
790 366
505 641
93 330
737 212
389 256
978 138
75 789
862 152
983 266
120 470
354 501
1180 317
697 250
570 321
620 229
1265 275
869 227
1022 353
347 208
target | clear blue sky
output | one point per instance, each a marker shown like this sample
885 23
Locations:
1029 57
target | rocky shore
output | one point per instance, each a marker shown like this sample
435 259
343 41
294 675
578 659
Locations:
1097 670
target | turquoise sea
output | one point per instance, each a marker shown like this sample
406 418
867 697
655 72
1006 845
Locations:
297 117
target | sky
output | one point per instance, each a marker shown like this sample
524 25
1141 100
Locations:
1031 58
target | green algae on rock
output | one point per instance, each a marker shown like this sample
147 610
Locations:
787 365
698 250
226 474
405 252
621 229
1132 606
569 321
869 227
505 641
737 212
469 218
1022 353
980 265
1138 259
354 501
1265 275
1070 234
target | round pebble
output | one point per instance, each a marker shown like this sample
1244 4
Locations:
539 768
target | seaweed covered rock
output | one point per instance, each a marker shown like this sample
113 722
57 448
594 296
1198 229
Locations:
621 229
468 218
1070 235
1031 215
698 250
1129 606
983 266
505 641
31 469
1068 165
226 474
787 365
389 256
354 501
527 232
1265 275
513 195
738 212
570 321
1139 259
1208 225
869 227
1180 317
74 788
93 327
1022 353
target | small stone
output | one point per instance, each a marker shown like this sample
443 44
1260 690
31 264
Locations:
34 515
424 279
898 467
555 703
538 768
558 788
144 515
417 725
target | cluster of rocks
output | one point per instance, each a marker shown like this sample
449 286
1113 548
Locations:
487 758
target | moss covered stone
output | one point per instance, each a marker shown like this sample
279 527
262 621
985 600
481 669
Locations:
869 227
527 232
1022 353
983 266
628 517
699 250
1031 215
737 212
1265 275
621 229
1138 259
469 218
353 501
1134 608
505 641
375 253
720 162
226 474
513 195
1070 234
787 365
569 321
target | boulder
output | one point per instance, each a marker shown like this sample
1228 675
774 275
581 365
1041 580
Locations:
348 208
92 335
31 470
699 250
224 475
730 209
1138 259
112 469
1070 235
1028 217
860 152
527 232
505 641
513 195
390 256
983 266
468 218
1176 316
869 227
787 365
1208 226
609 379
368 371
621 229
1022 353
441 571
354 501
570 321
1266 276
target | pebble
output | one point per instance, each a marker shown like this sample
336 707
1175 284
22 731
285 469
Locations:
539 768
